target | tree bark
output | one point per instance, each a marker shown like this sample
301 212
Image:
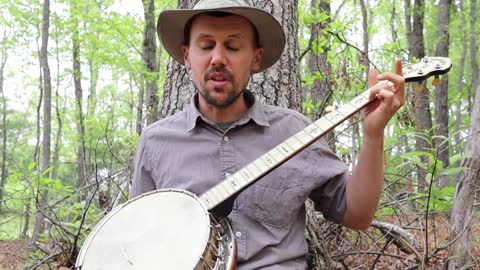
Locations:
3 164
441 91
473 43
321 90
461 72
149 56
467 183
421 101
58 113
77 79
42 193
469 179
178 89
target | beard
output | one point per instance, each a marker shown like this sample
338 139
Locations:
232 96
221 104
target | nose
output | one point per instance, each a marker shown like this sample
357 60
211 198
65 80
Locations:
219 57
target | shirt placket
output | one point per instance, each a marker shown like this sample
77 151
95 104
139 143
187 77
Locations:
228 167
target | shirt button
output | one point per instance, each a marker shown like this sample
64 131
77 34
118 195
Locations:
238 234
226 139
227 175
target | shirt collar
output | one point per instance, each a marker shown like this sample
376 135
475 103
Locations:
256 112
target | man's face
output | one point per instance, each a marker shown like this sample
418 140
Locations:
221 55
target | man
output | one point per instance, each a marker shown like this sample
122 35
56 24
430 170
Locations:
223 129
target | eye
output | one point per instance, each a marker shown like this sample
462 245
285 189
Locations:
233 49
206 45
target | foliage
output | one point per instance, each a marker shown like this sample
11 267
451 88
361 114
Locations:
112 72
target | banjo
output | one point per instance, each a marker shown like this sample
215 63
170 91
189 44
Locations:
184 231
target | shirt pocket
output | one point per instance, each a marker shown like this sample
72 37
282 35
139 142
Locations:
277 198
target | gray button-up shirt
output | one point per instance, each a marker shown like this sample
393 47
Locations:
187 151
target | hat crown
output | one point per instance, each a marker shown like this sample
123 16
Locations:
171 27
212 4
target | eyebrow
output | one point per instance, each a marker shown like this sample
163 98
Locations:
205 35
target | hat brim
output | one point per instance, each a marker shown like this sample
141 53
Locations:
271 36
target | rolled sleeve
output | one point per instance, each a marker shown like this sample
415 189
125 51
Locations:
330 199
329 175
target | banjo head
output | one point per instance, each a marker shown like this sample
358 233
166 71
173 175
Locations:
162 229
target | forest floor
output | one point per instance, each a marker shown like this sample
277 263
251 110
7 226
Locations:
14 254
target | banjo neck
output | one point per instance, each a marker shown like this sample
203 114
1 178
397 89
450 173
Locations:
282 152
246 176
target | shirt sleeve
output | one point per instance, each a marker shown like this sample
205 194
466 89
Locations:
330 176
142 180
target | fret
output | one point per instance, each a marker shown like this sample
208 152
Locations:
261 165
303 137
233 182
334 117
285 148
315 130
359 101
323 123
226 189
209 199
293 143
241 179
277 154
347 109
298 139
247 176
268 159
216 194
253 170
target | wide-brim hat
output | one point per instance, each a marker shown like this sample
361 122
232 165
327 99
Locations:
171 24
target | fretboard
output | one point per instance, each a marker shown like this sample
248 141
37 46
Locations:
281 153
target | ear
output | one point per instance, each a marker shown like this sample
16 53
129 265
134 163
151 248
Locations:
257 59
186 55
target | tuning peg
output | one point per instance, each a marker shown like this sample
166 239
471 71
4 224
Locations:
436 81
419 87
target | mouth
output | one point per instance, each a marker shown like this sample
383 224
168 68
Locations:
218 79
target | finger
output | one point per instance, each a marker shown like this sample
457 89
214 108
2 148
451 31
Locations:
372 77
392 77
398 67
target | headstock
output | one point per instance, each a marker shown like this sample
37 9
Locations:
427 67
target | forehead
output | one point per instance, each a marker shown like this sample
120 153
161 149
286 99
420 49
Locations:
230 25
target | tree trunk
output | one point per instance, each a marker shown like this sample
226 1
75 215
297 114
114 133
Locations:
178 88
321 90
461 72
3 164
77 79
149 56
441 91
467 183
421 101
473 43
58 113
42 193
469 179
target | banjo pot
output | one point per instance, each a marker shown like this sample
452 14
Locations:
181 234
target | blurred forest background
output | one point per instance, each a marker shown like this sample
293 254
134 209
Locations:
79 80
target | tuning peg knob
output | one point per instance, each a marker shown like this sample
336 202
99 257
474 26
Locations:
436 81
